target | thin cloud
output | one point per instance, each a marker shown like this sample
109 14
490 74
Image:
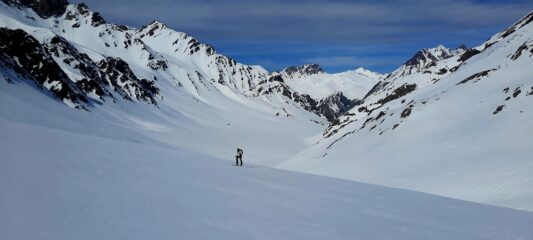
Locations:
339 34
335 21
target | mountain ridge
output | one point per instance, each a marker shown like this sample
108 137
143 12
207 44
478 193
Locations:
157 46
446 126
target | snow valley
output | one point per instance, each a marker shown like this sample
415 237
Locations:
114 132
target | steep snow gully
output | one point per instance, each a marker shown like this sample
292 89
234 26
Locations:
113 132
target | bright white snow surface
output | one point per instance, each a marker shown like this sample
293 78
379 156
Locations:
454 143
353 84
70 174
63 185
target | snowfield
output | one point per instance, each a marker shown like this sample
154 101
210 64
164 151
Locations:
67 174
100 188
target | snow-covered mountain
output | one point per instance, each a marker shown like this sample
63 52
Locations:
84 61
166 81
120 60
453 123
424 59
334 94
113 132
163 83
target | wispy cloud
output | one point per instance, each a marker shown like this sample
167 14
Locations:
324 20
338 34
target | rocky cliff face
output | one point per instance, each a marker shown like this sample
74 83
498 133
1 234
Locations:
27 57
304 70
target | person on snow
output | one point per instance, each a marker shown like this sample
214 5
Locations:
238 157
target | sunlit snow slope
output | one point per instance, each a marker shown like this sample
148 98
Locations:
66 178
318 84
453 123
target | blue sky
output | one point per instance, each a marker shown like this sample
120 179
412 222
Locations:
337 34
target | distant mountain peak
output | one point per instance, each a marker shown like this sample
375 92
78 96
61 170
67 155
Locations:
304 70
363 70
81 10
426 58
156 22
152 27
461 47
429 54
368 73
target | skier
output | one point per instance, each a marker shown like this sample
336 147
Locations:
238 157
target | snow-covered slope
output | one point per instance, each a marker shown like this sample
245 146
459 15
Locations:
78 175
459 126
353 84
424 59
